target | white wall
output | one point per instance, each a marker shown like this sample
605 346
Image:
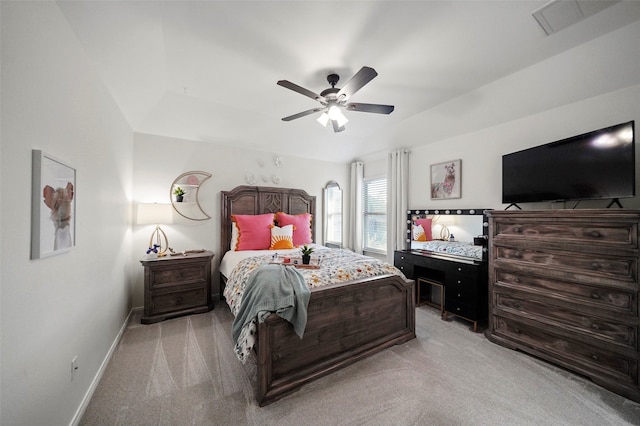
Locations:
481 152
159 160
591 86
71 304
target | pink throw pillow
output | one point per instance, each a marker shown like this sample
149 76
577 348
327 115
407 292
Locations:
426 225
301 226
254 231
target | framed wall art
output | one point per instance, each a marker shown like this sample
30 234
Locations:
53 206
446 180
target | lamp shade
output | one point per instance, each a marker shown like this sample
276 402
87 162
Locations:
154 213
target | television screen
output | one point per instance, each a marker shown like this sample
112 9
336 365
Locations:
595 165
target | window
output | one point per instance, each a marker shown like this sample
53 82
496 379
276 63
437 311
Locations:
374 208
333 215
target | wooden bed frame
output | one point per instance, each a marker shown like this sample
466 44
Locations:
346 322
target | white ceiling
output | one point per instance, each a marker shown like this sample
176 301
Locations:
207 70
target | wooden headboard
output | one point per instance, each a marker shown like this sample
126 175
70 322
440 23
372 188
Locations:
260 200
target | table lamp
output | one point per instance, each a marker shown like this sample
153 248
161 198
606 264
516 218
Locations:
154 213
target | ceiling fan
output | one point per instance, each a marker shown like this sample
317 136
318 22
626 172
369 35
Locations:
335 99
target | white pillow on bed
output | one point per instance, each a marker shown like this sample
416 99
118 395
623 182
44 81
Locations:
234 236
281 237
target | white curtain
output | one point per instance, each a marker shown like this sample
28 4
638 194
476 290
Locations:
397 201
354 232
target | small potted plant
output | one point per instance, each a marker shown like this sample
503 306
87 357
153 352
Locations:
306 254
179 193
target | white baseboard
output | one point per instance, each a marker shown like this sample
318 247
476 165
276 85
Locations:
94 383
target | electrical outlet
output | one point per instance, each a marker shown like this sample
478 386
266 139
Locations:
74 367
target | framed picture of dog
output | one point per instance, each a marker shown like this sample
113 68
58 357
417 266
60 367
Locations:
53 206
446 180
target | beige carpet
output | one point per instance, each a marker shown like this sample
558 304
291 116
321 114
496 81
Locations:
184 372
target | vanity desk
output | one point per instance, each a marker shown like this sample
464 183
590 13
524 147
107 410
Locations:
450 275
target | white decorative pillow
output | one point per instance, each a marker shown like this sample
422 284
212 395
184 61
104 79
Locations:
419 234
234 236
281 237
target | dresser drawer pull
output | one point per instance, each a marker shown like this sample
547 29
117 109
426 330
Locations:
457 309
596 234
517 305
517 255
595 326
517 230
596 265
595 295
595 357
459 282
459 269
517 330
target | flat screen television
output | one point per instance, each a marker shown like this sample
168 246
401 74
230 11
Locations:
595 165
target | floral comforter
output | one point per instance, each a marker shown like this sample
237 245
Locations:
335 266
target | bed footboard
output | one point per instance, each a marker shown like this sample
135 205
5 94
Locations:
346 322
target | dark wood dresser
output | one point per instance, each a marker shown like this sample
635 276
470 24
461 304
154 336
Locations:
563 286
176 285
464 281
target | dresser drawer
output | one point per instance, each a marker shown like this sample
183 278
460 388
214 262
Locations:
403 262
178 300
613 300
458 307
164 277
462 291
614 331
621 234
459 270
618 267
589 359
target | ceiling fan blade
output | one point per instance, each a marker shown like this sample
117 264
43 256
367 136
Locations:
336 128
301 90
378 109
362 77
302 114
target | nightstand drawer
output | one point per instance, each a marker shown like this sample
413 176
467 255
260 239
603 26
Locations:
175 301
178 276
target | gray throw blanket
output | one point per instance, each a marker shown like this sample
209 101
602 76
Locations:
274 288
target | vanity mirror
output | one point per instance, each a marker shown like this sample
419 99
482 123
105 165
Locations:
450 232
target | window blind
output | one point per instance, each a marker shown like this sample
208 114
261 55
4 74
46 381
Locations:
375 215
334 215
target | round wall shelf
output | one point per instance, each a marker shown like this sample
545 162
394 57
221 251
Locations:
190 183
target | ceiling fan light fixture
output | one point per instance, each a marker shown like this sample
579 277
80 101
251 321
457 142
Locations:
335 99
342 120
324 119
337 115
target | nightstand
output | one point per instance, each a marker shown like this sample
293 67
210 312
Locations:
176 285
